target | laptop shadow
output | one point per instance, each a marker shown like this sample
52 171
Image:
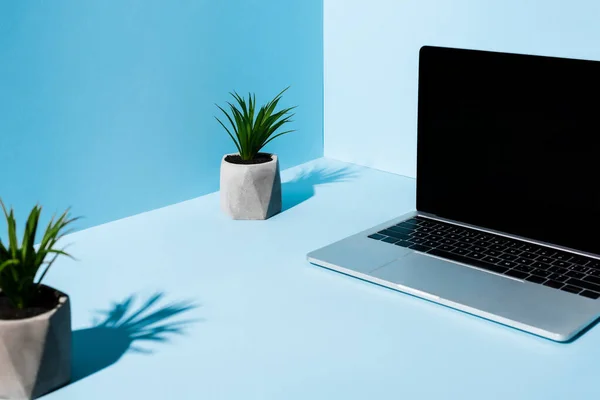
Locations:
302 186
124 329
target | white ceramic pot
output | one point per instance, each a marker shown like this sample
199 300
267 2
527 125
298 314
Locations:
251 191
35 353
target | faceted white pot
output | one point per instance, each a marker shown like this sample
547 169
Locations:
251 191
35 353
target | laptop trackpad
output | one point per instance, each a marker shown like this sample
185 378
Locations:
468 286
441 278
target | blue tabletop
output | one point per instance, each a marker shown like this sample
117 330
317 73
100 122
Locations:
184 303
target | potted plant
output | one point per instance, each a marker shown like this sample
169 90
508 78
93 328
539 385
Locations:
250 181
35 320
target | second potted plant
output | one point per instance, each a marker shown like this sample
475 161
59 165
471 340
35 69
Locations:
35 320
250 181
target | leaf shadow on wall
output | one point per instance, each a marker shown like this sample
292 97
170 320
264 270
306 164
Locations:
125 329
302 186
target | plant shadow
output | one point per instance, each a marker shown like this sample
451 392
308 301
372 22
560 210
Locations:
123 329
302 186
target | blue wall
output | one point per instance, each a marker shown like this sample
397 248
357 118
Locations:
108 106
371 60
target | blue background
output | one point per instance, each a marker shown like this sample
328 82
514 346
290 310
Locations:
108 106
371 61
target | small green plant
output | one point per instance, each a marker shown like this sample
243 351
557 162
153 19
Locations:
20 263
253 133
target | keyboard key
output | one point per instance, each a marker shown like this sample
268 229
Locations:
477 249
493 253
592 279
543 251
529 248
417 240
498 247
584 284
481 243
535 279
438 233
424 229
526 254
462 245
452 236
399 229
524 261
477 255
404 243
430 243
546 260
562 256
541 265
507 264
391 233
541 272
562 264
435 238
461 251
573 274
524 268
420 247
449 241
594 272
446 247
570 289
513 251
390 240
377 236
469 234
485 237
420 234
558 277
507 257
590 294
516 274
469 261
467 240
498 241
553 284
409 223
490 259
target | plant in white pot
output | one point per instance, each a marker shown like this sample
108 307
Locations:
35 320
250 181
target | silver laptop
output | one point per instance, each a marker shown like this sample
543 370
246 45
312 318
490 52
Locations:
508 194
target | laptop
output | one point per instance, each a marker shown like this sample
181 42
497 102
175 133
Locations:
507 214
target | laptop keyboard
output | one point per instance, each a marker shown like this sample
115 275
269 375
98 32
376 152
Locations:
518 259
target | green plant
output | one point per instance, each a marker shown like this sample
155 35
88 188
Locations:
253 133
20 263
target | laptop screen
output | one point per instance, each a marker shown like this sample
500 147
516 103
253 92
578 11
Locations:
511 143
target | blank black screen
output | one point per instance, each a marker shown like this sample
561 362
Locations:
510 142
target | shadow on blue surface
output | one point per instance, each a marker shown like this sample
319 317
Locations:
302 186
122 330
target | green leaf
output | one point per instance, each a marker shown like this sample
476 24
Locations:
230 135
279 134
27 250
8 263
